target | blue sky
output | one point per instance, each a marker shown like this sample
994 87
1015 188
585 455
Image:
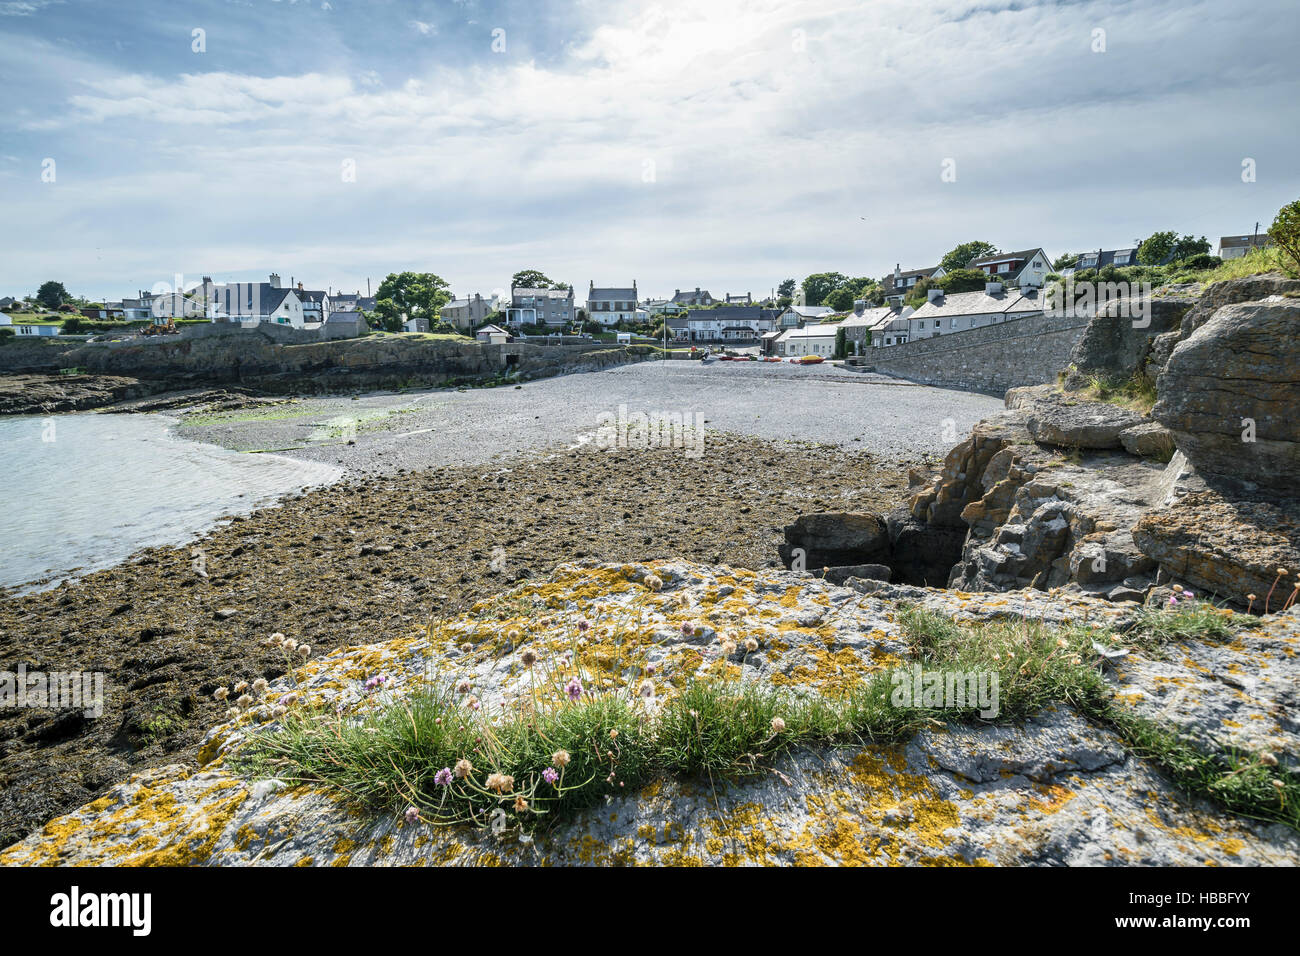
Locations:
726 144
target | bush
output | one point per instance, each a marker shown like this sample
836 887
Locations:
1285 231
1199 262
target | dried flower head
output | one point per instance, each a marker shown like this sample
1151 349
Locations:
560 758
466 647
304 651
463 768
500 782
244 702
520 804
778 725
646 689
241 687
221 693
728 648
259 686
279 711
688 629
528 657
464 687
654 582
1268 760
751 645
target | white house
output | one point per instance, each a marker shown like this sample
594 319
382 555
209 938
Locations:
898 285
1027 267
251 303
810 340
492 335
944 314
1234 247
612 305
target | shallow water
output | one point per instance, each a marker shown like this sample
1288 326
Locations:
84 492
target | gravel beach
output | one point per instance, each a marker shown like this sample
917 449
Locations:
448 497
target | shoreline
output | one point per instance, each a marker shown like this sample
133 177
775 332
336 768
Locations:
362 560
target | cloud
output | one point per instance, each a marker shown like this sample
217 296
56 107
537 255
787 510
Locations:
24 8
424 29
741 139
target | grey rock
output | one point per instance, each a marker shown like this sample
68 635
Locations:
836 539
1148 440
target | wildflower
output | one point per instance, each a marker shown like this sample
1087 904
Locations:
751 645
650 670
232 713
500 782
374 683
241 687
778 725
221 693
1062 642
520 804
583 625
464 687
688 628
528 657
279 711
259 687
276 638
443 777
466 647
1279 784
1252 597
288 699
573 688
647 689
613 735
654 582
304 651
463 768
1282 572
473 703
244 702
289 645
550 776
1172 600
412 815
560 758
1268 760
1188 594
512 636
728 648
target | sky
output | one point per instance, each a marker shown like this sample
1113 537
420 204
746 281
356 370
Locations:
726 144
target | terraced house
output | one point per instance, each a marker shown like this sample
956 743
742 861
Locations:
944 314
609 306
1027 267
898 285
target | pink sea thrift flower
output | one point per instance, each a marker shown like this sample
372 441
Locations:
443 777
573 688
412 815
550 776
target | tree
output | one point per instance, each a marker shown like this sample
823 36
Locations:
418 294
532 279
1187 246
1157 248
786 289
821 284
963 280
961 256
841 344
1285 231
52 294
1065 261
841 299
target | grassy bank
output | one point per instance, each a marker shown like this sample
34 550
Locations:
442 756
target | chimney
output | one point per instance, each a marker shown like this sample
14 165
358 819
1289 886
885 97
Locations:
993 288
299 286
933 295
275 280
898 272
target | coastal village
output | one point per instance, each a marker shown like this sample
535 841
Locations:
829 316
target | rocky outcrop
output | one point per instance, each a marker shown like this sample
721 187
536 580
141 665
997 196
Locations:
1228 393
1230 549
1116 345
1215 297
835 539
48 394
1052 789
251 358
1148 440
1065 420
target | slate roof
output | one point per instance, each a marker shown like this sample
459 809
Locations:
979 303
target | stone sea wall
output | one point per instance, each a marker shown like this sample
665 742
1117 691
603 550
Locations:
990 359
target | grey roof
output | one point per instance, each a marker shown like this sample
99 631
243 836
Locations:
999 256
810 311
544 293
1238 242
349 315
980 303
677 322
691 294
311 295
1106 257
596 292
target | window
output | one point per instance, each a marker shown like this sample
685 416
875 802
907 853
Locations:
952 323
1004 267
1122 258
1087 262
936 323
